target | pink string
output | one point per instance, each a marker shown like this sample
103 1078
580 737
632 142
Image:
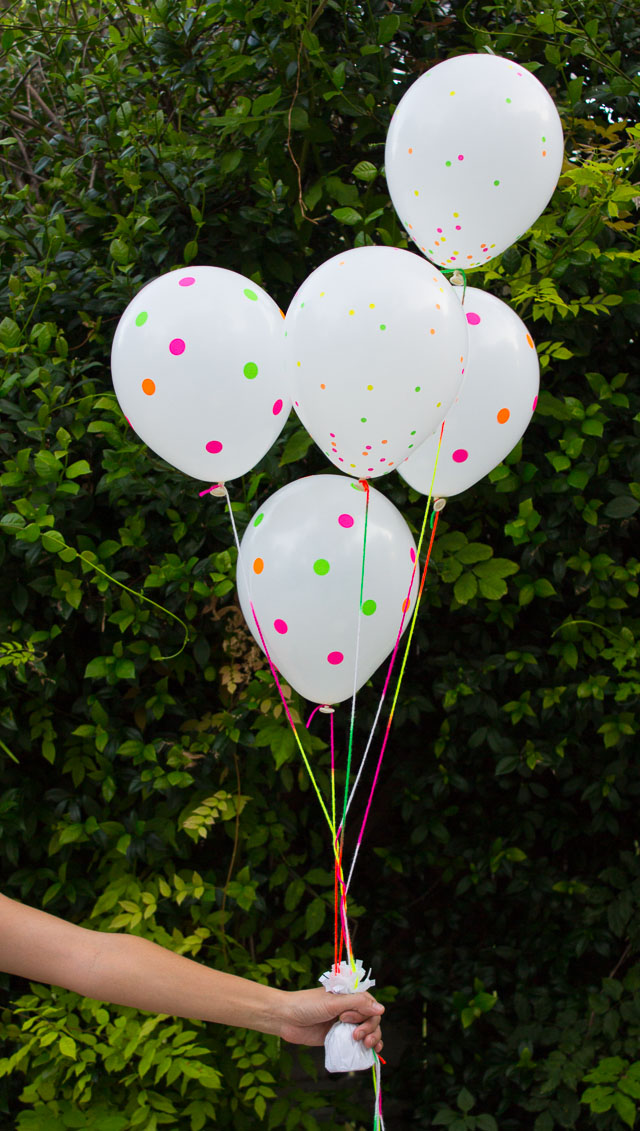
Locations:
273 670
311 716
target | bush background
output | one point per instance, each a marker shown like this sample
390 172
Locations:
498 898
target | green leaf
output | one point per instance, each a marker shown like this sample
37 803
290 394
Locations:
465 588
365 171
96 668
9 333
67 1046
347 215
296 447
80 467
314 917
387 28
465 1100
623 506
625 1108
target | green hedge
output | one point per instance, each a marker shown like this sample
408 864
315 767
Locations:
161 794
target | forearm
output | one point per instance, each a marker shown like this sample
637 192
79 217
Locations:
136 972
127 970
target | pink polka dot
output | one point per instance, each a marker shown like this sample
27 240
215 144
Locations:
461 157
176 347
214 446
458 228
345 520
188 281
460 455
413 554
277 408
333 435
335 658
533 406
439 230
473 319
281 626
341 459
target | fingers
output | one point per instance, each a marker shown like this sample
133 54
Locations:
361 1006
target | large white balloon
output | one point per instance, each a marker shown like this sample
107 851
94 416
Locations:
473 155
375 349
197 365
300 565
494 405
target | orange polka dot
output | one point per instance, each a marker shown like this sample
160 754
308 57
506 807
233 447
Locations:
432 331
148 386
385 441
258 565
544 153
409 151
411 226
323 386
437 306
437 244
503 416
530 340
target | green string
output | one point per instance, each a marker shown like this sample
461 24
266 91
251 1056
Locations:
53 536
353 706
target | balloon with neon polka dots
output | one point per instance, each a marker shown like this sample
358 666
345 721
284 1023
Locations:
197 366
300 564
375 347
494 406
472 158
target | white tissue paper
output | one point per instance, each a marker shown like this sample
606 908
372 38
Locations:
341 1052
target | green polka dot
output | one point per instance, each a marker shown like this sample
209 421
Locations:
413 433
250 294
321 566
447 163
508 100
544 139
496 182
363 420
142 318
369 608
382 326
258 519
417 388
250 370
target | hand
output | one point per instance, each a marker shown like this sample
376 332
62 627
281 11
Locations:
309 1014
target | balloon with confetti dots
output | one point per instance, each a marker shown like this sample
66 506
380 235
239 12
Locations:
300 565
197 365
495 404
375 347
473 155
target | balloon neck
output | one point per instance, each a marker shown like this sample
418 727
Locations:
325 709
439 504
457 279
217 489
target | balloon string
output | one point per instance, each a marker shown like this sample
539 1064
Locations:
393 657
275 677
405 608
365 485
395 700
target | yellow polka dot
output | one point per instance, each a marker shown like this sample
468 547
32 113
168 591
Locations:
352 312
439 404
322 294
416 193
451 92
298 363
456 214
369 387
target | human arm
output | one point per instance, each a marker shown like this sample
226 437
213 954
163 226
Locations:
128 970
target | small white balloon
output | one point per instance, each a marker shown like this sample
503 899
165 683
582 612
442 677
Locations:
375 348
494 405
197 365
473 155
300 565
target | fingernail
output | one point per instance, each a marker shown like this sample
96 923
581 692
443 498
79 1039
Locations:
377 1008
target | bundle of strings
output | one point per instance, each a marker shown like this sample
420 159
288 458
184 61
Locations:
350 973
341 1052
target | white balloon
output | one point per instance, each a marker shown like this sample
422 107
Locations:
300 565
375 347
494 405
473 155
197 365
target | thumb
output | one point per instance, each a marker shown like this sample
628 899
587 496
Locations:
363 1004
